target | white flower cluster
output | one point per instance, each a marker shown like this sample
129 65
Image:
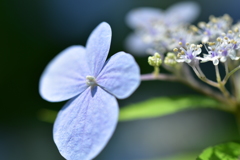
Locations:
161 31
157 31
219 40
214 28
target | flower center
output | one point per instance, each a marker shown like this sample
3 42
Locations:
90 80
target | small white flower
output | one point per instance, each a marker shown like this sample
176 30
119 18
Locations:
189 54
220 50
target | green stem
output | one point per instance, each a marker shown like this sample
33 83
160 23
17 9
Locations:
226 68
229 74
222 88
200 71
156 71
224 91
218 74
202 77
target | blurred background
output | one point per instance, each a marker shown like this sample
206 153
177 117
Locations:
33 32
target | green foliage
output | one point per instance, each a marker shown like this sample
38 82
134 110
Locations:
183 156
151 108
225 151
165 105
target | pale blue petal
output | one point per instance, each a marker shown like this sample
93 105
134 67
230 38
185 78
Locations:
143 16
97 47
85 124
65 75
120 76
183 12
136 46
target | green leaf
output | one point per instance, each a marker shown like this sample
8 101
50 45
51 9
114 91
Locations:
225 151
165 105
182 156
151 108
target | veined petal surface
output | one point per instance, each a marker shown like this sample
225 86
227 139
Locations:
98 46
183 12
85 124
65 75
143 16
120 76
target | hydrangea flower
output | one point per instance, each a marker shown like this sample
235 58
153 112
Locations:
213 55
178 13
214 28
221 50
87 121
151 26
189 54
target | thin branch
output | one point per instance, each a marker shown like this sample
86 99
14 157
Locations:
226 67
164 77
229 74
204 78
187 79
218 77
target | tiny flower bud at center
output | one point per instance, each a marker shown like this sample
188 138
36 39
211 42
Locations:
155 60
170 59
90 80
